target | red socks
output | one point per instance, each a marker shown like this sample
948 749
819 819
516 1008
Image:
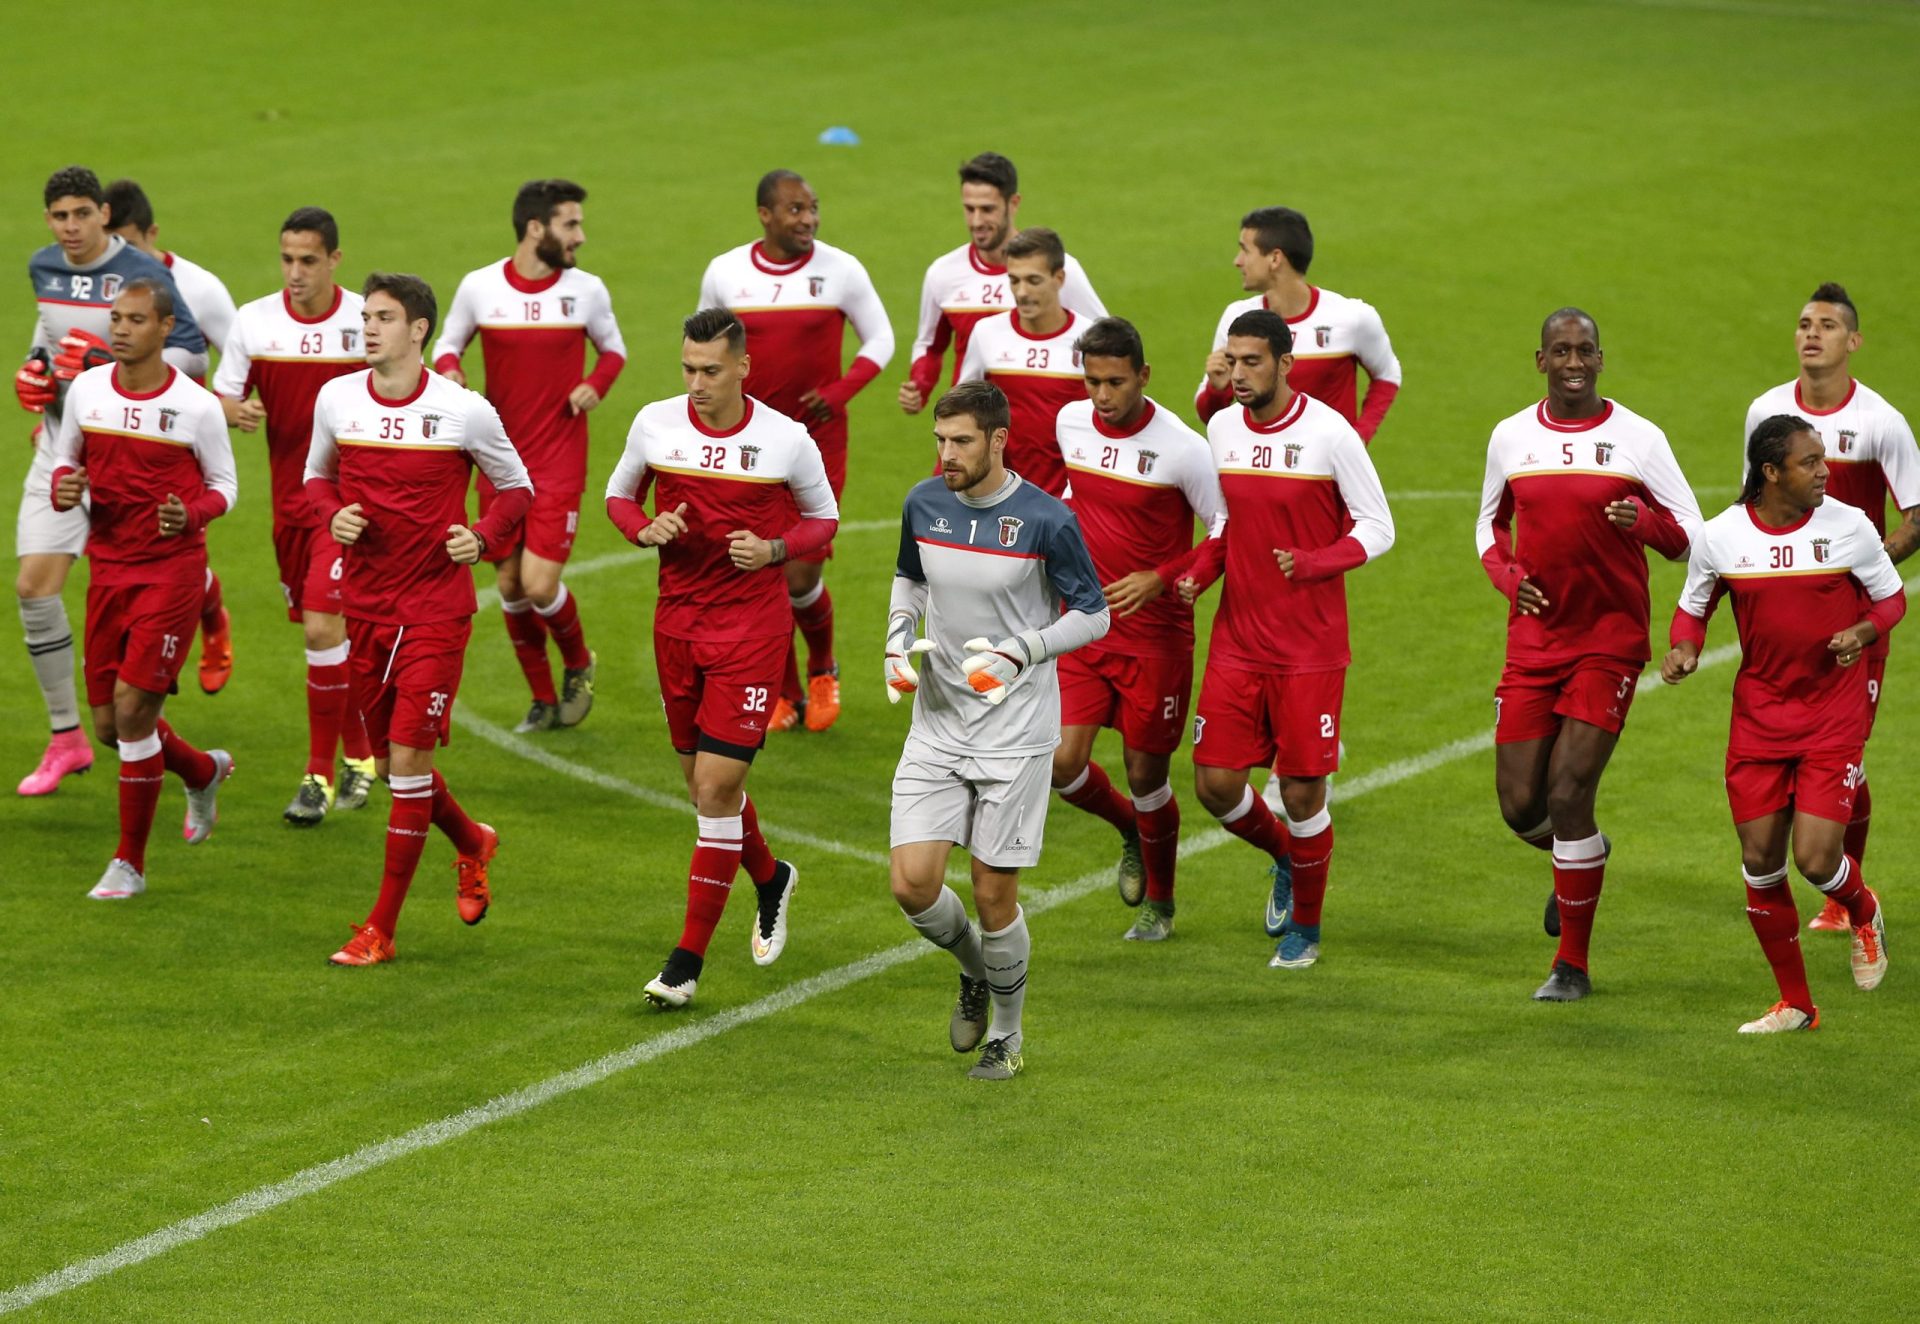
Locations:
407 823
142 769
211 605
1157 817
1579 868
1776 923
1253 822
328 692
1312 854
562 619
755 855
528 630
183 760
716 857
451 819
1849 888
790 687
1856 841
814 615
1093 791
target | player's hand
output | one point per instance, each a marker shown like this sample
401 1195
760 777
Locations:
1528 600
34 382
1188 588
1130 593
748 550
1219 375
68 491
1623 514
349 522
666 526
1283 558
818 407
79 350
463 545
243 414
455 376
900 676
912 398
990 668
1681 661
173 517
1849 644
582 399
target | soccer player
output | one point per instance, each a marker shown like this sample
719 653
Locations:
1870 457
970 283
130 216
1304 506
387 469
147 448
998 572
74 280
1577 487
1812 590
535 313
1335 337
795 295
1028 354
1137 479
283 348
738 489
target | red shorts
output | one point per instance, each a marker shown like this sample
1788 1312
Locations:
405 678
1876 677
139 633
1250 719
309 570
552 523
1529 703
1143 698
836 462
1821 784
719 695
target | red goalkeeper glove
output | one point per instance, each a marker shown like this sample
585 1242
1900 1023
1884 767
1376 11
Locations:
79 350
34 384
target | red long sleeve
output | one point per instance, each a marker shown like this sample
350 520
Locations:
1209 559
809 536
1212 399
1886 613
446 363
925 372
204 509
606 370
510 505
324 493
628 516
1501 568
1687 629
1373 412
1658 529
53 484
1319 563
859 373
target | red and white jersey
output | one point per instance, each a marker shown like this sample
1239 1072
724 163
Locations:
1038 374
407 463
206 294
533 343
1543 510
1870 449
137 449
796 314
742 478
959 290
288 358
1302 483
1793 589
1332 340
1137 495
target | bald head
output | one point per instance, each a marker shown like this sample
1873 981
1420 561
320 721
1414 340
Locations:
1578 317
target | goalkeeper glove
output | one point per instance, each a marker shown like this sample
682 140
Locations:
901 648
991 668
33 383
79 350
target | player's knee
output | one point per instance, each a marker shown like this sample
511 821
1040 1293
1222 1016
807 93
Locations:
1068 764
1570 801
1817 862
1522 808
105 728
1217 794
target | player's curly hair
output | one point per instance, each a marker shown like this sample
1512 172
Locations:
539 199
711 324
412 293
1285 229
1768 445
1261 324
1835 293
983 402
74 182
1039 241
1113 338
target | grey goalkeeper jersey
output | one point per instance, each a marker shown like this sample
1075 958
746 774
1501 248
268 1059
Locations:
992 568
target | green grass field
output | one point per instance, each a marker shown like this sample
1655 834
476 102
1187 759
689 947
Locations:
1398 1133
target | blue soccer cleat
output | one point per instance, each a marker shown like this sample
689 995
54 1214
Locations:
1280 901
1299 947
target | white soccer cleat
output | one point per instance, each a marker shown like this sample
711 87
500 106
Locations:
1870 948
662 994
120 881
1780 1018
770 920
202 810
900 675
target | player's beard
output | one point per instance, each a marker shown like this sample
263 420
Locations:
962 478
554 253
1258 402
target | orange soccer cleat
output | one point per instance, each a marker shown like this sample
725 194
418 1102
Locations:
1832 918
367 946
785 716
823 700
216 656
472 896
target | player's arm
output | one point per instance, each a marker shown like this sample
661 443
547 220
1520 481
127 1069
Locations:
1209 560
1668 518
64 448
906 606
1077 294
216 312
1493 538
1887 597
486 441
610 351
1199 483
869 317
991 667
219 478
1688 633
1215 394
233 381
973 365
33 384
321 481
1755 416
456 333
930 343
1900 465
1376 355
819 515
627 489
187 343
1366 502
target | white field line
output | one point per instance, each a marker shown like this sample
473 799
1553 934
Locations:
432 1134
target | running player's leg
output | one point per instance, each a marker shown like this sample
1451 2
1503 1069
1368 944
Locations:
527 630
47 541
1088 702
1579 758
932 811
1823 792
216 637
1524 729
813 616
547 544
1770 908
1009 825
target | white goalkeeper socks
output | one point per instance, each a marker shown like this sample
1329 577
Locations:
1006 955
50 645
945 924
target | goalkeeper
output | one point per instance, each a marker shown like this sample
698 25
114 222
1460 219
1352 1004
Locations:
999 573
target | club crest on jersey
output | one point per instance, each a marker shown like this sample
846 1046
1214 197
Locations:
429 424
1146 462
1848 438
566 305
749 458
816 285
348 335
1293 454
1322 336
1603 453
110 286
168 417
1822 549
1010 530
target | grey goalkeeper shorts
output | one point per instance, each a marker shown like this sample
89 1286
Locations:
995 807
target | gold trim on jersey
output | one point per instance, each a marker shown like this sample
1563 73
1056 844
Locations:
711 473
738 308
1621 474
134 436
1035 372
1786 574
531 326
449 446
1278 473
303 358
1117 477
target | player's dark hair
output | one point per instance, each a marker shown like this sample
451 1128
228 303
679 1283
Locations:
413 294
1113 338
983 402
991 168
712 323
1834 292
1577 314
127 204
539 199
1264 325
1039 241
1768 445
769 186
314 220
1285 229
157 289
74 182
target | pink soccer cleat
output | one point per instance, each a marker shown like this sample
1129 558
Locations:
67 752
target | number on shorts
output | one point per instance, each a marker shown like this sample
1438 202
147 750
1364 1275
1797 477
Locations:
436 704
1873 694
1626 683
1326 726
756 699
336 569
573 521
1856 776
1170 709
1199 725
169 645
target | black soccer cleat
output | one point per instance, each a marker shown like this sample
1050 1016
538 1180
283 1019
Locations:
1567 983
1551 921
674 986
